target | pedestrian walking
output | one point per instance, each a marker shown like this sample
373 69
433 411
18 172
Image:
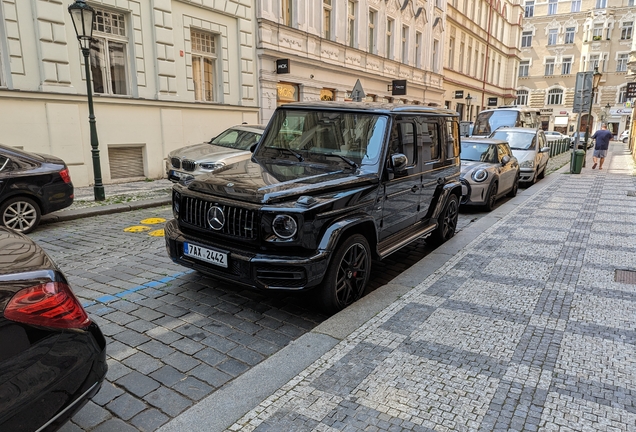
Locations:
602 138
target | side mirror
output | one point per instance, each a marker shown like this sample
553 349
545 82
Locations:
545 150
505 160
399 162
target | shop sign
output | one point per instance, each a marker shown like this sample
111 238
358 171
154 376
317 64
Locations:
459 94
282 66
630 92
287 92
398 88
492 101
620 111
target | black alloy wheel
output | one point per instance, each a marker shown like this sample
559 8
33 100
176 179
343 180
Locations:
447 222
491 198
347 274
515 188
21 214
542 173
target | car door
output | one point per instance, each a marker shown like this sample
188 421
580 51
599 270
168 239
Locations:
401 195
507 171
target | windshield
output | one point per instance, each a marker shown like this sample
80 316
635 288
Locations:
327 137
479 152
517 140
488 121
236 138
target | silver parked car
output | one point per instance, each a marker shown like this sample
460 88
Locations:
232 145
489 171
530 148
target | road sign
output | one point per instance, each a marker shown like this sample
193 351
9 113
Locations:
357 94
583 92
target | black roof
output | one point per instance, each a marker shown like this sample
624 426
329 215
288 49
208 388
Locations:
376 107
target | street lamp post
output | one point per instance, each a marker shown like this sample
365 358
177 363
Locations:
596 79
469 99
82 16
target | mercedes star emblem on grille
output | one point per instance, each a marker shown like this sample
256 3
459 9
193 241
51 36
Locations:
230 185
216 218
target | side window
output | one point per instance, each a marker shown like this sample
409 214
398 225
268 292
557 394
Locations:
501 151
541 141
407 142
452 139
430 141
5 164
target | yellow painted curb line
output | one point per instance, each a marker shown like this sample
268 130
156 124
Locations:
136 229
156 233
152 221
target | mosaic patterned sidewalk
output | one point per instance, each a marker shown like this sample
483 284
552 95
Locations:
530 327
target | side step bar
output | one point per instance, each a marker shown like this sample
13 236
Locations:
395 242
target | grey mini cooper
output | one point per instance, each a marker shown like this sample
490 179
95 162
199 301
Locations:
489 171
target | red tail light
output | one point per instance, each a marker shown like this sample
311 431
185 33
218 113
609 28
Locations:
66 175
51 304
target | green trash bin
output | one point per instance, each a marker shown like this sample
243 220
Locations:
579 155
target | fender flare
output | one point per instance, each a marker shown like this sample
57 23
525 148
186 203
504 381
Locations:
334 232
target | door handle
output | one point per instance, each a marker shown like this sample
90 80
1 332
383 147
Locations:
414 188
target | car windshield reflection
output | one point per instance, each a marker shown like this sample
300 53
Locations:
479 152
238 139
516 140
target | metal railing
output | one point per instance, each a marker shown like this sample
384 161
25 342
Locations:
558 146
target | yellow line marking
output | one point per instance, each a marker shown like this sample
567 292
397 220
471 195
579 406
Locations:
156 233
153 221
136 229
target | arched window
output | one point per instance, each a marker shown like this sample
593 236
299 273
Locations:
522 97
555 97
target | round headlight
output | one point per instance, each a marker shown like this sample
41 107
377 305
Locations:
480 175
284 226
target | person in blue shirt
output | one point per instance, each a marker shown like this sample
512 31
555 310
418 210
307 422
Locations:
602 137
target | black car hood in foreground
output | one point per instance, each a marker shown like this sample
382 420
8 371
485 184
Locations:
267 183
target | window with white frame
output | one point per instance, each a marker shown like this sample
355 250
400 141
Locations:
522 97
524 68
569 35
526 39
108 53
326 19
555 97
552 7
597 32
621 62
601 4
204 58
469 58
451 53
622 94
593 62
351 23
576 6
373 20
461 57
405 44
389 38
566 66
286 12
627 29
418 50
529 12
552 36
435 56
549 66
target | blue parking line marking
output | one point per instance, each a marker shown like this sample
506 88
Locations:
149 284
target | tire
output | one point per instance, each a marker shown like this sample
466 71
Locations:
624 140
21 214
515 188
447 222
542 173
347 275
491 197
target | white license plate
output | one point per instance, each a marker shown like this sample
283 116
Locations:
204 254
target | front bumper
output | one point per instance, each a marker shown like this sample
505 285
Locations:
254 270
473 193
527 175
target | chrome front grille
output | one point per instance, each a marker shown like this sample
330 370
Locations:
239 222
176 162
188 165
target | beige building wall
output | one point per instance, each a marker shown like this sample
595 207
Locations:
570 37
330 45
43 104
481 54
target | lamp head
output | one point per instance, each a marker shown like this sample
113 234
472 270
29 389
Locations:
82 16
469 99
596 78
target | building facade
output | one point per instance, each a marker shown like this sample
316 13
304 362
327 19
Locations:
481 54
561 38
166 73
317 50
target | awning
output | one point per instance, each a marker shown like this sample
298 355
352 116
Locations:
561 121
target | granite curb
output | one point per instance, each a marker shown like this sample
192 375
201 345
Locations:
67 215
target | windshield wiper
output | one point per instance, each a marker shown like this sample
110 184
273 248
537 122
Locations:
351 163
290 151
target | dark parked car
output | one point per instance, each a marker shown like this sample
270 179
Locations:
230 146
329 187
31 185
489 171
52 356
